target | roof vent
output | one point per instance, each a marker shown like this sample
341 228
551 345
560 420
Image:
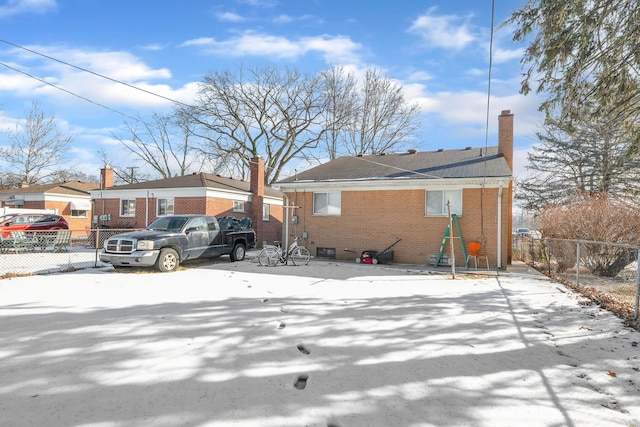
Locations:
412 151
440 150
468 148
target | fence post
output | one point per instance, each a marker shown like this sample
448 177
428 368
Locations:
96 245
549 255
637 286
577 262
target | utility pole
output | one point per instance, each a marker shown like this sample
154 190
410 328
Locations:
132 168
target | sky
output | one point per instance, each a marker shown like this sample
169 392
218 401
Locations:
438 51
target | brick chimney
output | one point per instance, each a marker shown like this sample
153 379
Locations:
505 136
106 177
257 191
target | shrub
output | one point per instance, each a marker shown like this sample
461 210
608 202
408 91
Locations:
599 218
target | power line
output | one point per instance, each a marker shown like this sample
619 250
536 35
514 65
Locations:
66 90
486 137
92 72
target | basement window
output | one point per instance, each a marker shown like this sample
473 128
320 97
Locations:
78 213
326 253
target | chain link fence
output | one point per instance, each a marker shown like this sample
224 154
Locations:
604 272
43 252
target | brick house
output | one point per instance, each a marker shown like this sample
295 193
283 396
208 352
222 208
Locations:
136 205
358 203
71 199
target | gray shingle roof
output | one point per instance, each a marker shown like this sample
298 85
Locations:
79 188
205 180
464 163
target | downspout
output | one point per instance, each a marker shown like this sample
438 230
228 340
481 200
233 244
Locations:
499 255
146 211
286 221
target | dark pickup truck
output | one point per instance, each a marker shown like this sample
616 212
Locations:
172 239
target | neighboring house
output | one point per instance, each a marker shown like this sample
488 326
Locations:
71 199
136 205
358 203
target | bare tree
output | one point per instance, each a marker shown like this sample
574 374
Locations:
595 217
283 115
65 175
166 144
382 120
276 114
124 174
38 146
341 106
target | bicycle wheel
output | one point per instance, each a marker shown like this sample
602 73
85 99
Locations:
300 256
268 257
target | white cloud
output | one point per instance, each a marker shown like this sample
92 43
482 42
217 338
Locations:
230 17
422 75
505 55
444 31
259 3
153 47
65 81
283 19
20 7
475 72
335 49
520 162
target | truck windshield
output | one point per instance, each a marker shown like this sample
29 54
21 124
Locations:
168 224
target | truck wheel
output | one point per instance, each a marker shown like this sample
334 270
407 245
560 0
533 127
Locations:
238 252
168 260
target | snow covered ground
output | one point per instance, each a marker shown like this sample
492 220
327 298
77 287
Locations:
329 344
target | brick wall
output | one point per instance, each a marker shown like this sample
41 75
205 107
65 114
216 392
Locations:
376 219
272 229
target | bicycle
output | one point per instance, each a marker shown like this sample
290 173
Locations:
272 255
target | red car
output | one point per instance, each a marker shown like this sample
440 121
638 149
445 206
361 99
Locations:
32 222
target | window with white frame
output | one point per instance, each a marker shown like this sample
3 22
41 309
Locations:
266 211
238 206
165 207
326 203
78 213
128 207
436 204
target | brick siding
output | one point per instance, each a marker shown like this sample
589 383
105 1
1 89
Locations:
376 219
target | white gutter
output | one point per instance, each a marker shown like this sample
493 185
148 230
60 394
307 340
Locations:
499 262
393 184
